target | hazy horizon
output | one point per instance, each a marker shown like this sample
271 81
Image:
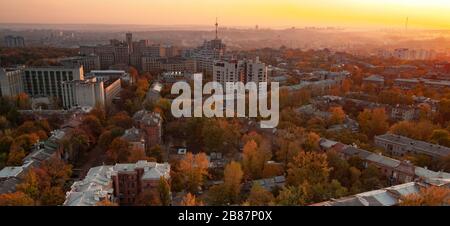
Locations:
276 14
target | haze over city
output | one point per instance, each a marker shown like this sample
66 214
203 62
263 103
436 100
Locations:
431 14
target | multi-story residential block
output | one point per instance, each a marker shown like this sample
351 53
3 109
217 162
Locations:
400 146
140 46
107 56
90 92
89 62
121 54
209 52
206 54
411 83
14 41
152 64
227 71
46 81
11 82
129 37
240 71
396 171
403 113
155 50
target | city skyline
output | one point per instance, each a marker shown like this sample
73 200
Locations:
266 14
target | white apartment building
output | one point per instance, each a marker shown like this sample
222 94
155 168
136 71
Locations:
46 81
11 83
240 71
89 93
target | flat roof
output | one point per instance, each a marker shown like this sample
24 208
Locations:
10 171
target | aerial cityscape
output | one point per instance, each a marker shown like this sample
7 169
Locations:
133 103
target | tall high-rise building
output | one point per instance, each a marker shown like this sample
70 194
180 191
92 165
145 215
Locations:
83 93
11 83
89 62
240 71
227 71
209 52
121 54
14 41
129 37
91 92
254 71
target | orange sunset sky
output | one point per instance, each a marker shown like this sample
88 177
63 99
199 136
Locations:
430 14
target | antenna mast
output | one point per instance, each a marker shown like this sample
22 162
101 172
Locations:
217 28
406 23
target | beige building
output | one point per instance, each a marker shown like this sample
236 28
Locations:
89 62
11 83
89 93
46 81
151 64
239 71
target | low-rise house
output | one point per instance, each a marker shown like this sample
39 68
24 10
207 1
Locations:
399 146
411 83
268 183
43 151
390 196
396 171
376 80
317 86
217 160
337 76
403 113
11 176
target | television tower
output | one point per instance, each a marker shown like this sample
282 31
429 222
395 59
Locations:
406 23
217 29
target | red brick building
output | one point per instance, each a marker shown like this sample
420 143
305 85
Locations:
130 180
151 124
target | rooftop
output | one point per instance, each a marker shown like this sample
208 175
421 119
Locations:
390 196
133 135
98 183
147 117
411 144
374 78
10 171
